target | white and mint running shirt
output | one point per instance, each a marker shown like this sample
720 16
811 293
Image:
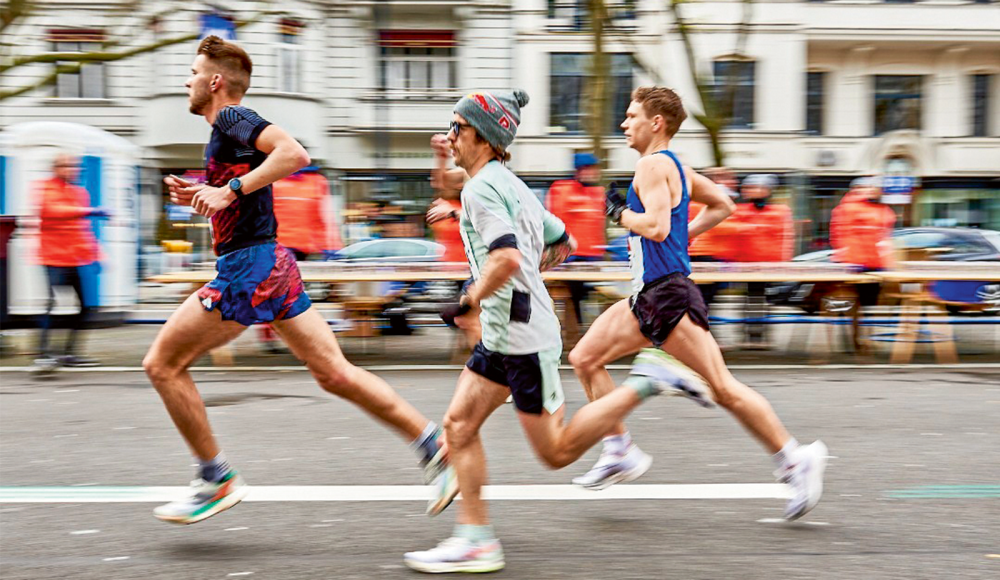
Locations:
498 210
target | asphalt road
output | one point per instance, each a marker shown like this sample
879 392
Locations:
913 490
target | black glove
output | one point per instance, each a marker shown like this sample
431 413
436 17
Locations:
614 204
453 311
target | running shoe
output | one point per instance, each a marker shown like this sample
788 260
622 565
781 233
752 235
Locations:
435 466
445 490
804 474
206 500
612 468
73 361
670 376
458 555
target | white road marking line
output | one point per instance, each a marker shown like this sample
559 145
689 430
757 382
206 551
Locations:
336 438
68 391
236 529
84 532
123 428
239 574
116 559
933 434
358 493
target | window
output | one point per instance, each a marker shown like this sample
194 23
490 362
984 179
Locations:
88 83
576 13
741 72
897 102
418 64
290 47
815 82
568 74
980 105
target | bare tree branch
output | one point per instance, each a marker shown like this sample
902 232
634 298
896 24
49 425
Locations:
12 11
79 59
717 113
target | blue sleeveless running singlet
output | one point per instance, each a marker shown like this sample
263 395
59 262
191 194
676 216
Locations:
648 260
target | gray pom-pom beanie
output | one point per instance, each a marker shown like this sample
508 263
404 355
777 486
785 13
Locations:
494 115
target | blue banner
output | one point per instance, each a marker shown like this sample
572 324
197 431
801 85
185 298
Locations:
215 24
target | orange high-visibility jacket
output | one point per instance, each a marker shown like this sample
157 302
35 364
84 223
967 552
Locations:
718 242
861 232
66 236
764 235
447 233
305 220
581 208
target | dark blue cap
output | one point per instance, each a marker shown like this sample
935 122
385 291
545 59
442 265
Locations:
584 160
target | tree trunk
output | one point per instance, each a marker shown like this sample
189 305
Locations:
597 81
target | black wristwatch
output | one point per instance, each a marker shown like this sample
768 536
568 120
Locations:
237 186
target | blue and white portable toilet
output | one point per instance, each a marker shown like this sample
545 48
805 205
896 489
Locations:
109 172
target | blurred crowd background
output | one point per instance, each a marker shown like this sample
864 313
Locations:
790 102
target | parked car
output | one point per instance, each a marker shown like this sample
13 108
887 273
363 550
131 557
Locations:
390 250
946 244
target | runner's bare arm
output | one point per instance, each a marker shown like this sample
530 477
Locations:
501 265
718 206
285 156
651 185
446 182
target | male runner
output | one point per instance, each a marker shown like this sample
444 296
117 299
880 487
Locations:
666 309
258 281
509 238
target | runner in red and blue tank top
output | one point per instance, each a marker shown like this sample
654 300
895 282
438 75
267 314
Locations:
666 310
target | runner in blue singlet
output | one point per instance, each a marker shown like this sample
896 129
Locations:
667 311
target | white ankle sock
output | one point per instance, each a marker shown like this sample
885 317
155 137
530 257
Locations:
618 444
784 457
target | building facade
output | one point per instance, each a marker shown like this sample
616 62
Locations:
824 91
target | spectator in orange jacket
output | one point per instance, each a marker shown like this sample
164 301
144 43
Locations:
765 229
765 235
306 224
715 245
66 246
861 234
579 203
861 227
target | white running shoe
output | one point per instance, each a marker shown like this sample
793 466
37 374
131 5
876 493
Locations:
458 555
804 475
670 376
206 500
612 468
445 490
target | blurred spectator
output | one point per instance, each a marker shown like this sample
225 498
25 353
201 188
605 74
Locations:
861 227
718 243
443 217
306 224
861 234
765 235
579 203
66 247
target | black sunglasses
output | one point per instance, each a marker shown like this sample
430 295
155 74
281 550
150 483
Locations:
456 127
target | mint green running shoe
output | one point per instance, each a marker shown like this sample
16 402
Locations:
206 500
670 377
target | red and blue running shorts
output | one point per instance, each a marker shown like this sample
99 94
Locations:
256 284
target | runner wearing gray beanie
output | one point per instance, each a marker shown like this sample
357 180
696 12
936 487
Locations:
494 115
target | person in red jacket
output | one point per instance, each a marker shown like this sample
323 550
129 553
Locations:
579 203
302 206
765 235
716 244
306 225
66 246
861 234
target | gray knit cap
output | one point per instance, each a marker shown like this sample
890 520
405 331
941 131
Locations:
495 116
